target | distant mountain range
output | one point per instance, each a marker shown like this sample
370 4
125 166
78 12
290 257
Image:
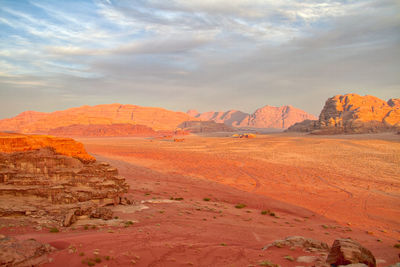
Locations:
265 117
110 119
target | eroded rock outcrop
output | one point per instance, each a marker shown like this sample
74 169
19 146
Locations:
353 113
29 252
43 183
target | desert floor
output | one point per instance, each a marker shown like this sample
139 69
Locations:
318 187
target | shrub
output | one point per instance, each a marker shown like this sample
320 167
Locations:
54 230
240 206
206 199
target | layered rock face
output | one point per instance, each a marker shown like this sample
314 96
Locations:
265 117
35 122
353 113
204 127
43 183
29 252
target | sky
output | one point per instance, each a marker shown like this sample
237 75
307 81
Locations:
196 54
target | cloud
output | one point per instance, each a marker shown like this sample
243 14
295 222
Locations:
202 54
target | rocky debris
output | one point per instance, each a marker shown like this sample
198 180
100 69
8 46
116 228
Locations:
204 127
265 117
52 188
353 113
308 244
347 251
35 122
29 252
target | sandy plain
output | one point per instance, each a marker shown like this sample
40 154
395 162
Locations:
319 187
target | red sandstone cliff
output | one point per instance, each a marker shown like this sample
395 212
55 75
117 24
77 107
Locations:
352 113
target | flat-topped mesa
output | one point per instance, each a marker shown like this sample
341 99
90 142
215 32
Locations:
55 176
10 143
352 113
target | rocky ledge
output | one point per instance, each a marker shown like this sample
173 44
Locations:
53 181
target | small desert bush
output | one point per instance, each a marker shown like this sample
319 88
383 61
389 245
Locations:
268 263
289 258
54 230
206 199
397 245
240 206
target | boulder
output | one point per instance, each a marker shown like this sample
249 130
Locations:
348 251
69 218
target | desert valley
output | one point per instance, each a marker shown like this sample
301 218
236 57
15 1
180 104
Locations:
205 133
143 186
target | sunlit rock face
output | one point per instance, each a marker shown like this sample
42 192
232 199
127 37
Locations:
352 113
47 177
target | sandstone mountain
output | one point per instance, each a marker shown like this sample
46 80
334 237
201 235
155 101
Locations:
53 180
265 117
352 113
36 122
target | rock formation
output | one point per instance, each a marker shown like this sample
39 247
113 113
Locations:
29 252
266 117
54 180
353 113
204 127
347 251
35 122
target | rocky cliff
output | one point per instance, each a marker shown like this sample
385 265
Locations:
265 117
64 146
35 122
45 182
352 113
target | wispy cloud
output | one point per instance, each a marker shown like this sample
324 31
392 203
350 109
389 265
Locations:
178 53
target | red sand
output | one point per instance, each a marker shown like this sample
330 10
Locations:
320 188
